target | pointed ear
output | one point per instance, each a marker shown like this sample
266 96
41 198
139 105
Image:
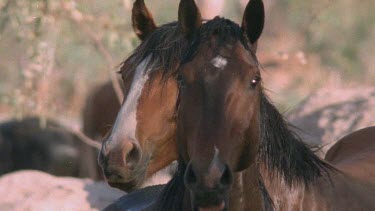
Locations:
189 17
253 21
142 20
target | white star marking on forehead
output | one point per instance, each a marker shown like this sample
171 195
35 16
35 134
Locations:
219 62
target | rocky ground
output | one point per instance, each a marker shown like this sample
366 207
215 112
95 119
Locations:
329 114
39 191
34 190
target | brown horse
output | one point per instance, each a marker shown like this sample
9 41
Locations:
229 134
147 114
354 154
302 173
148 146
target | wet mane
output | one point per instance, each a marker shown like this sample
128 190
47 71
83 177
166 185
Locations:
283 153
225 32
165 45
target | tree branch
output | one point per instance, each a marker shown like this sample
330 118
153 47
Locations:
81 136
77 18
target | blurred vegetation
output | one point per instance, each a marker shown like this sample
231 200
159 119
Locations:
53 51
341 32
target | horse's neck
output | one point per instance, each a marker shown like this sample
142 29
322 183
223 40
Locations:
339 192
245 193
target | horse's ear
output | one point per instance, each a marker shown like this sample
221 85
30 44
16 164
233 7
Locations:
253 21
142 20
189 17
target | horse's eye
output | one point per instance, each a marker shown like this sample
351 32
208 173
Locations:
254 82
180 80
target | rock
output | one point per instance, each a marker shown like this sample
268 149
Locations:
330 114
35 190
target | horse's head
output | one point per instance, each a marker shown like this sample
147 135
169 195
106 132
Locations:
145 126
218 131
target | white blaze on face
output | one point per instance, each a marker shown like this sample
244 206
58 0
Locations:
214 169
126 121
219 62
216 154
215 158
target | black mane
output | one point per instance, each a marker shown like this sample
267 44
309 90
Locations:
165 45
225 32
168 47
283 153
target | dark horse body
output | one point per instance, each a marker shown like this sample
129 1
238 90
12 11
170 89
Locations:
25 144
100 111
234 145
355 154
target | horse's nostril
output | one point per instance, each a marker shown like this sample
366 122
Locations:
190 177
227 178
132 157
